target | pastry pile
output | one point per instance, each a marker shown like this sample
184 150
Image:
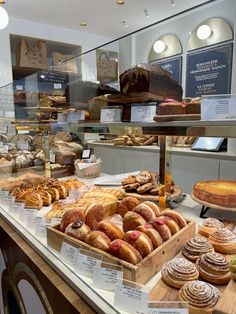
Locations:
135 140
145 182
143 228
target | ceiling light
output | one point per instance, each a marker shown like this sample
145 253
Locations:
83 24
146 13
159 46
125 24
4 18
120 2
204 32
172 2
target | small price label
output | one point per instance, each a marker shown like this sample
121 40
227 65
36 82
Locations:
144 113
9 114
23 131
167 311
109 115
40 228
86 262
57 86
62 117
68 253
3 129
218 107
55 221
31 221
74 117
18 208
168 307
26 212
22 145
107 276
52 157
86 153
131 297
19 87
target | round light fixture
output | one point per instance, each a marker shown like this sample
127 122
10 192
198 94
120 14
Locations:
120 2
204 32
4 18
159 46
83 24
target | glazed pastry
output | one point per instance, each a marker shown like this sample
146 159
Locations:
111 230
78 230
209 225
171 224
214 268
62 190
125 251
145 211
93 215
46 197
33 200
127 204
178 271
54 194
140 241
178 218
196 247
201 296
153 206
233 267
99 240
132 220
162 228
153 235
71 216
223 241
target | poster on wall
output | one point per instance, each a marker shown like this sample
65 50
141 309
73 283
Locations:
172 65
209 71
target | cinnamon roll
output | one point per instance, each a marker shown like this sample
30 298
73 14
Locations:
223 241
209 225
178 271
214 268
196 247
201 296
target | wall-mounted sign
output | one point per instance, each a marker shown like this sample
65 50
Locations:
209 71
174 66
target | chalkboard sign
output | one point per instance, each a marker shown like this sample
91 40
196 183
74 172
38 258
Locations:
172 65
209 71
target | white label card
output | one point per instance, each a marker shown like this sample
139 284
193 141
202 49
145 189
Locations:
19 87
74 117
107 276
57 86
167 311
9 114
168 307
218 108
132 300
62 117
25 214
31 221
68 253
86 262
3 129
52 157
23 131
109 115
18 208
143 113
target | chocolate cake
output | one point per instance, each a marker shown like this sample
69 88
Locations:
150 78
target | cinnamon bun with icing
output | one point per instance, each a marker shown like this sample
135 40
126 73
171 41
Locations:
214 268
223 241
202 296
178 271
209 225
195 247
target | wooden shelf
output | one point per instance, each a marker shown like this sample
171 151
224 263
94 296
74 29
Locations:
22 72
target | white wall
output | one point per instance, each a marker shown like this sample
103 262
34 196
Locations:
31 29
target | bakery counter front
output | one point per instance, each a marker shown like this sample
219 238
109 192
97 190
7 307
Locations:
47 267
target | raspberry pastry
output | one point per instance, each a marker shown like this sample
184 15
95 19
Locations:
145 211
140 241
98 240
93 215
153 235
178 218
127 204
125 251
171 224
162 228
132 220
110 229
196 247
153 206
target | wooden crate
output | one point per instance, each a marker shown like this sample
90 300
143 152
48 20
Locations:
143 271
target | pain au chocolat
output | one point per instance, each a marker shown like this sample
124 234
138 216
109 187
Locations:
220 192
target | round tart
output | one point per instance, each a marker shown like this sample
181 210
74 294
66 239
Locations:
196 247
202 296
220 192
209 225
178 271
223 241
214 268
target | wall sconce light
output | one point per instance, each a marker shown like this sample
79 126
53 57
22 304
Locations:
146 13
4 18
159 46
204 32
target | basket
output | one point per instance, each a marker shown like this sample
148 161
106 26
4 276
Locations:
88 170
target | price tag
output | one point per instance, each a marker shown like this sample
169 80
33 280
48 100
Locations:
40 228
18 208
57 86
23 131
74 117
218 107
107 276
86 261
31 221
131 297
19 87
62 117
144 113
3 129
86 153
109 115
55 221
22 145
168 307
52 157
9 114
68 253
26 212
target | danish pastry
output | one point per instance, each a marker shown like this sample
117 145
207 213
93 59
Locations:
196 247
223 241
110 229
99 240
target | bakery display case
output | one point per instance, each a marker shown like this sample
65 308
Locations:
89 246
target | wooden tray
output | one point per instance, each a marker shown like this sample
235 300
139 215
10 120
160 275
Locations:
143 271
232 209
177 117
146 197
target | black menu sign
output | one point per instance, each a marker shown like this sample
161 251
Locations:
172 65
209 71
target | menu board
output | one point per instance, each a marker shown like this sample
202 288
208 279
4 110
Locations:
209 71
172 65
